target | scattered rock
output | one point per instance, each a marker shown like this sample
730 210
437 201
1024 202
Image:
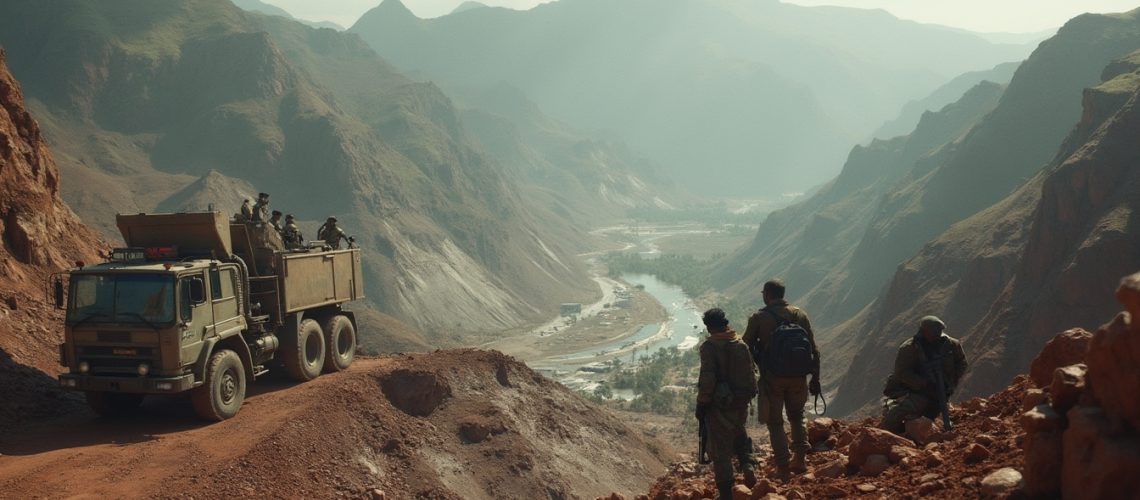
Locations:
875 465
934 459
12 303
763 487
977 453
926 478
377 494
796 495
920 429
741 492
772 496
1063 350
1042 418
1001 482
417 393
900 453
872 441
1068 385
1033 397
819 430
832 469
834 491
931 486
984 439
866 488
1128 294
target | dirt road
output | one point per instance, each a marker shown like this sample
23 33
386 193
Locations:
448 424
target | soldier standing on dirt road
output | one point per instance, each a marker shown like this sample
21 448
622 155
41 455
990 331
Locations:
783 388
909 391
726 386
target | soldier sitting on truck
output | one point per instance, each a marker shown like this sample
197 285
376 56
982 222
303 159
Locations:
331 234
246 212
292 234
275 221
261 208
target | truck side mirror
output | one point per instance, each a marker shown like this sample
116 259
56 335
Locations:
197 291
57 292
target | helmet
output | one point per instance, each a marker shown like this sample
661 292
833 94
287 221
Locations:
331 219
289 217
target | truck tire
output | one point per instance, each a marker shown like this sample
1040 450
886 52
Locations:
304 356
340 343
113 404
220 396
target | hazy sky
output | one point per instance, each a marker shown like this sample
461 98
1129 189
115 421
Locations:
1014 16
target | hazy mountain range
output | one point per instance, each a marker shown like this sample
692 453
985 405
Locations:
728 96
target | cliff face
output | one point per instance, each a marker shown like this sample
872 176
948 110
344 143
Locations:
1005 278
812 244
40 235
141 98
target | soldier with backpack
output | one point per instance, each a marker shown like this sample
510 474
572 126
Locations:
783 345
726 386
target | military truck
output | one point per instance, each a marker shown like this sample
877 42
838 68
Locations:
198 303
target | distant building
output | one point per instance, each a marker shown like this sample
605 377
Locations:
571 309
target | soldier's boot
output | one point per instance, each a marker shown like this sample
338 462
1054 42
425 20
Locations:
799 464
783 474
743 448
724 490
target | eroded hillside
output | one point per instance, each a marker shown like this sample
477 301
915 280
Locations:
138 106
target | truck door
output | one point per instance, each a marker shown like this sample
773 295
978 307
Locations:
227 320
196 321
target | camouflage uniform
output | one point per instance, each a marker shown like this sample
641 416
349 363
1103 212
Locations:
783 393
908 391
246 212
292 234
331 234
261 209
275 221
723 355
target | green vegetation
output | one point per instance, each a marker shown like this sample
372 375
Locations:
664 383
691 274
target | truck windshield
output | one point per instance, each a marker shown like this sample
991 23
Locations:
121 298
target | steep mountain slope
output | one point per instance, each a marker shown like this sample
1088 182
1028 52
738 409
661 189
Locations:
912 111
143 97
273 10
40 235
1005 278
589 180
809 241
719 98
1009 146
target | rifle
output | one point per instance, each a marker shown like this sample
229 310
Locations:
933 370
702 444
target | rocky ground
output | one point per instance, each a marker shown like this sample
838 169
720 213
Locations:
1070 428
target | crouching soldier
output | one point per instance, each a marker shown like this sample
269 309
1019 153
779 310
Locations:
726 385
912 390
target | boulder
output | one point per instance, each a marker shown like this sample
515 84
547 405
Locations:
1033 397
1065 349
1001 483
976 453
1043 418
741 492
872 441
1129 296
1096 462
866 488
377 494
920 429
1043 463
1114 370
930 487
934 459
832 469
875 465
819 430
763 487
1068 385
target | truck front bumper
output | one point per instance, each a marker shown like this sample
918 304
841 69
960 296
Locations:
145 385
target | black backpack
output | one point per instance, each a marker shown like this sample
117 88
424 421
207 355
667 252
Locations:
789 352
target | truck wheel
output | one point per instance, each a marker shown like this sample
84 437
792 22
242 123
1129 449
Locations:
113 404
340 343
304 356
222 393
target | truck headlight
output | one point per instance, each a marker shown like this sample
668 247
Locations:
144 369
84 367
